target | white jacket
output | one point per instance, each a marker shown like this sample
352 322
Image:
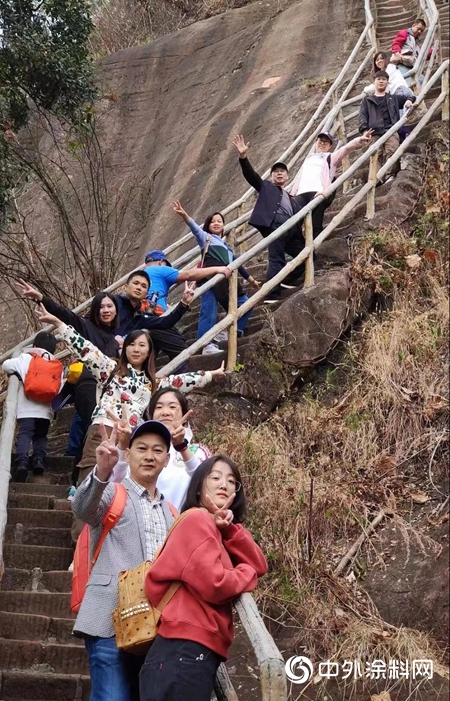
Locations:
396 80
26 408
174 480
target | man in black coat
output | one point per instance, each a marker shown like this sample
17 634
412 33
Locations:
380 112
273 207
165 337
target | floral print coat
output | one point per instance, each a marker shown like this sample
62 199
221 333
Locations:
134 390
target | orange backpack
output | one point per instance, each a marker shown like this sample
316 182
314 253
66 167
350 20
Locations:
82 564
43 379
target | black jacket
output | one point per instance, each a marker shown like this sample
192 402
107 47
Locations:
370 114
130 318
100 336
269 198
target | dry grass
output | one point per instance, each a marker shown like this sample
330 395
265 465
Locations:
120 24
382 408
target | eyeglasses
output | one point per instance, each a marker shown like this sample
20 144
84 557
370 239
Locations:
232 484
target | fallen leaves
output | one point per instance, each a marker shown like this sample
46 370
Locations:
434 404
413 261
419 497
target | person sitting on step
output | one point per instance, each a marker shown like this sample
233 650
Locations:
215 250
34 410
165 337
406 48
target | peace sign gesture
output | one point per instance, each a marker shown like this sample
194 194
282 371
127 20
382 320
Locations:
222 516
179 430
106 453
188 293
124 429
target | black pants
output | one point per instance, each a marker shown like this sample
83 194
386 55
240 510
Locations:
85 401
170 342
318 213
178 670
32 432
291 243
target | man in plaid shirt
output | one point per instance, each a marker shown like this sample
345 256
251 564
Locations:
136 537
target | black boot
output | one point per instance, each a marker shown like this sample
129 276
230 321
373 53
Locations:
20 473
38 466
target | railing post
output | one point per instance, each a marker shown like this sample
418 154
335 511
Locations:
373 170
309 262
346 160
232 331
445 106
6 443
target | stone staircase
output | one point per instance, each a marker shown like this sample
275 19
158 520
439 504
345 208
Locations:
39 658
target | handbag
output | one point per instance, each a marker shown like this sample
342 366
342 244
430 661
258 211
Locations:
135 619
205 251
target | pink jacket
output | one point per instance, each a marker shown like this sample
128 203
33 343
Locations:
329 171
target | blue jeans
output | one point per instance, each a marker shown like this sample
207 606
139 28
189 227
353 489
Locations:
208 312
114 674
32 432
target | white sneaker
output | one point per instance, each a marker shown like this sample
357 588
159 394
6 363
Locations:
70 568
288 287
270 301
221 336
211 349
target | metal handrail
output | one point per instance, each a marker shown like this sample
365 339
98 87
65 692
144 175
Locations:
6 444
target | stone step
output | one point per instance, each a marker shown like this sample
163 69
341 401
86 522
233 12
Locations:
22 535
24 654
40 603
35 580
41 686
40 518
23 626
57 464
17 500
28 556
55 490
207 362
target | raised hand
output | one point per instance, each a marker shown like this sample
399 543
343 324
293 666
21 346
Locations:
179 430
222 516
220 372
367 136
120 341
28 291
123 426
178 209
107 453
46 318
241 146
188 293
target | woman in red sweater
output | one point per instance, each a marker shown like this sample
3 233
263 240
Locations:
215 559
